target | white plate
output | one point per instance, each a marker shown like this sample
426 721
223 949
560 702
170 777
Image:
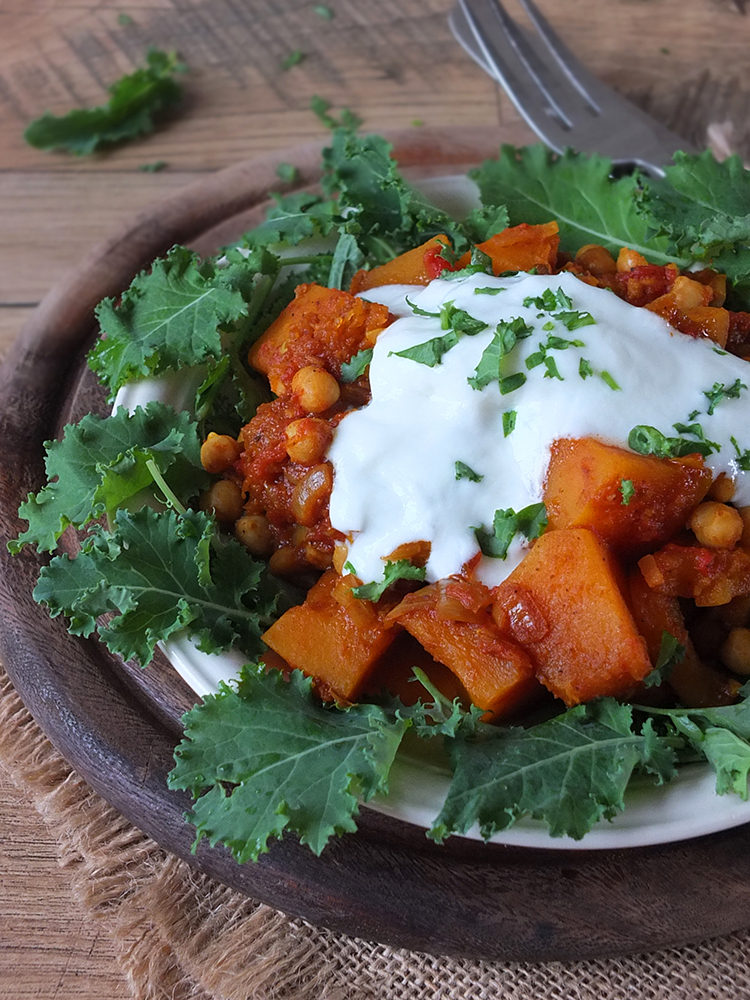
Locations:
686 807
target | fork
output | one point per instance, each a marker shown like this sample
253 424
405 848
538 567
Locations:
562 102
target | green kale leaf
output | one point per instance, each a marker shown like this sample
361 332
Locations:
569 772
100 464
268 757
161 573
129 112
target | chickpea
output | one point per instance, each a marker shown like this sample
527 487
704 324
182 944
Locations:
627 259
716 525
722 489
219 451
224 498
254 532
596 259
744 513
311 493
688 294
284 562
307 440
317 557
315 388
735 651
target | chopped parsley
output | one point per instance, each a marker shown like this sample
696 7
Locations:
552 372
743 457
608 380
627 490
401 569
549 300
463 471
511 382
486 290
430 352
720 391
352 369
506 336
531 522
509 422
648 440
584 368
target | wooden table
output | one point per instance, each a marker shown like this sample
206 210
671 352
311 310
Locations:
395 64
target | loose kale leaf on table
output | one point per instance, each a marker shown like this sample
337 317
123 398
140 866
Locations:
129 112
269 757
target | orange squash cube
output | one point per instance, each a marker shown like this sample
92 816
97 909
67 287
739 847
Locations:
520 248
414 267
584 489
496 673
565 603
322 639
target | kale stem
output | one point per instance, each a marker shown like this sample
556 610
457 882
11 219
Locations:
161 482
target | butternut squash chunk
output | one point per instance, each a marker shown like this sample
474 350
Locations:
520 248
584 489
394 673
320 326
419 266
696 684
496 672
322 639
564 602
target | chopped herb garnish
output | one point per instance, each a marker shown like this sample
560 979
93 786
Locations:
460 321
463 471
720 391
351 370
584 368
718 350
486 290
479 263
743 457
536 359
505 338
628 490
671 652
697 431
402 569
419 311
649 441
551 365
509 422
560 344
430 352
511 383
506 524
575 320
607 378
549 300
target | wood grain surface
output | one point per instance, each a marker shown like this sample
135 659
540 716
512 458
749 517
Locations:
394 63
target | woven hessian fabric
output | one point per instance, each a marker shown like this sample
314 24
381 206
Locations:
181 935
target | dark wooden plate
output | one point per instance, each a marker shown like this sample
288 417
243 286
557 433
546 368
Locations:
117 725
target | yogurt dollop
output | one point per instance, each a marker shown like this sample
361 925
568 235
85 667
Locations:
584 364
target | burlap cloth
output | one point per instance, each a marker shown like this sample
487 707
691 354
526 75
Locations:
182 936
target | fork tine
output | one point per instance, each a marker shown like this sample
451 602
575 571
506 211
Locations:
584 83
549 83
532 102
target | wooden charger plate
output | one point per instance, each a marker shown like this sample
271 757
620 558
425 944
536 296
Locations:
118 725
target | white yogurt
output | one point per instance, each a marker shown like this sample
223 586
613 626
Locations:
395 459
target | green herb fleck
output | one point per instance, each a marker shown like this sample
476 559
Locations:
430 352
648 440
506 524
293 59
584 368
486 290
628 491
743 457
607 378
402 569
287 172
720 391
671 652
551 365
352 369
509 422
511 382
463 471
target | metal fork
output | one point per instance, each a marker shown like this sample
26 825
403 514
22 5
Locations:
560 100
